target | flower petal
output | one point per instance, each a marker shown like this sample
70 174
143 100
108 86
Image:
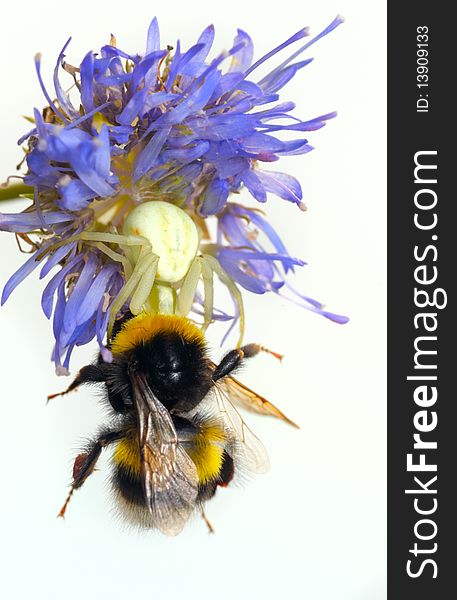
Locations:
30 265
254 185
75 194
54 259
215 197
94 296
62 96
206 39
147 158
282 185
47 298
92 161
76 300
153 37
242 59
87 82
26 222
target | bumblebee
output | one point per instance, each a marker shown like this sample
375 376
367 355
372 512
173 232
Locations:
177 436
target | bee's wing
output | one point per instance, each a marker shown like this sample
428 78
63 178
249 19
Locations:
169 476
246 398
248 447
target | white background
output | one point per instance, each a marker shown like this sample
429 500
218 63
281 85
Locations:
314 526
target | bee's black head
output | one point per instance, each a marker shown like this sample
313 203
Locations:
176 369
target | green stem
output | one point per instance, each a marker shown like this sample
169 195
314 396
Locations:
13 191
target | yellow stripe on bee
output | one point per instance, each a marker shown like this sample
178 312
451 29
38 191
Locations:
127 454
145 326
207 452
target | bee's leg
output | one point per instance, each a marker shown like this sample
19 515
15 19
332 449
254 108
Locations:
85 463
88 374
205 518
234 358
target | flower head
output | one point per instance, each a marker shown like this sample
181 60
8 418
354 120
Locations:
186 129
171 125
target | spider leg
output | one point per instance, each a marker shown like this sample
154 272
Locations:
146 261
208 287
188 288
233 289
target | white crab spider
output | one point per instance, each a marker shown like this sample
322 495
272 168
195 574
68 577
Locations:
158 253
170 263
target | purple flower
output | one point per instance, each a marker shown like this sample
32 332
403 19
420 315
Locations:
243 234
168 124
187 127
78 296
